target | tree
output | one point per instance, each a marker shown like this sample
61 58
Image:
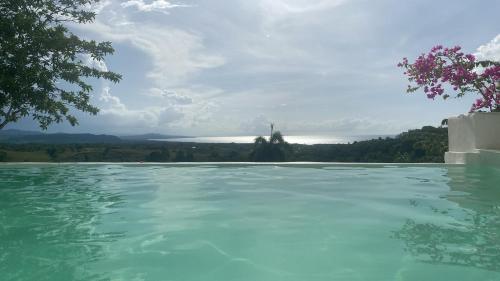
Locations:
158 156
44 68
260 140
180 156
3 156
276 149
52 152
461 71
277 138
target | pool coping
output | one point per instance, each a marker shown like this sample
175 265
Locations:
232 164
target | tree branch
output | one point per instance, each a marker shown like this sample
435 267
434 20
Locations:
6 118
9 116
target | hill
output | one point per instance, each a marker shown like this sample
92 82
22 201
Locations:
8 133
60 138
25 137
14 136
426 145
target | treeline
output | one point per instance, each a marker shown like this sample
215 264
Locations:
415 146
423 145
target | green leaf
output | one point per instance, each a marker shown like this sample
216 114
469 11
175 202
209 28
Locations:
41 69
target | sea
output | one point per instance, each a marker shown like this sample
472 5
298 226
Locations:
298 139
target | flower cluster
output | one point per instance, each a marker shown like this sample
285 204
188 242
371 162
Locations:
461 71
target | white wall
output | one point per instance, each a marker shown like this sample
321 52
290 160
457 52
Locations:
468 134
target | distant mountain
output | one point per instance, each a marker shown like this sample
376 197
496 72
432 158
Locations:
19 136
14 132
151 136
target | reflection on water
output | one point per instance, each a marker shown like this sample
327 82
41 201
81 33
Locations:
471 234
290 139
146 222
48 218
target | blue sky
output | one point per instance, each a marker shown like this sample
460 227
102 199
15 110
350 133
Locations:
212 67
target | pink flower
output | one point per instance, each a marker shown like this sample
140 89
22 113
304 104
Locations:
449 65
436 48
471 57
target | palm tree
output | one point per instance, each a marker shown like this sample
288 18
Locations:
277 138
275 149
260 140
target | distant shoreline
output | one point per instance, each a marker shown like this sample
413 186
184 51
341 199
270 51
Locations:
292 139
13 136
426 145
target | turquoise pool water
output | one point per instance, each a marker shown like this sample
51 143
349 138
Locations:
147 222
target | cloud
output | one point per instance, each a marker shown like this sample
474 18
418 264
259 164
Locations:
171 96
257 125
97 7
175 54
176 98
169 115
276 10
490 50
197 104
174 111
91 62
156 5
115 112
353 126
231 67
283 7
341 126
113 103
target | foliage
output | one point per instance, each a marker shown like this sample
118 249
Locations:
159 156
44 68
423 145
60 138
415 146
472 240
52 152
183 156
274 150
461 71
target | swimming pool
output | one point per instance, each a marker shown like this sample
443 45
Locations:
249 222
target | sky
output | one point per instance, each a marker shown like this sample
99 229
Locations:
230 67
